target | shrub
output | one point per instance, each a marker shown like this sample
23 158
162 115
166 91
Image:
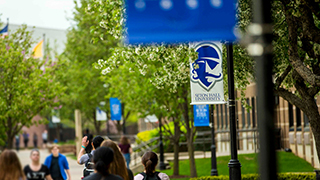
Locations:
281 176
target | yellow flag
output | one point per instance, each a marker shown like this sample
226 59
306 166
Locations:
38 50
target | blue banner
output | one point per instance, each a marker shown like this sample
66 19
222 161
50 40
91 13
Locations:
175 21
115 108
201 115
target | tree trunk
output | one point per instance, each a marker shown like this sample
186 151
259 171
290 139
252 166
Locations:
177 134
193 171
97 124
176 159
189 136
10 135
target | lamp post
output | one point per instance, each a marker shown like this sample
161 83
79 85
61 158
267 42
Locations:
214 171
162 166
234 164
261 50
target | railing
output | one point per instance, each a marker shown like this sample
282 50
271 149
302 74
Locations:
140 149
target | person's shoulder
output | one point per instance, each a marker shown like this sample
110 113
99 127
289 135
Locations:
138 177
92 176
26 167
44 166
114 177
163 176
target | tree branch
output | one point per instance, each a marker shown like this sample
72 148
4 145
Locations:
280 79
294 58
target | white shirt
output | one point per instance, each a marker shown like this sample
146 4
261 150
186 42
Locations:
162 176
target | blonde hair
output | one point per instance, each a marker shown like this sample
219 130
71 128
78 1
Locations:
118 166
10 166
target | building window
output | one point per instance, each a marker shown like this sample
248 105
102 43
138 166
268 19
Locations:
243 116
253 105
226 114
290 117
218 118
221 112
298 117
248 114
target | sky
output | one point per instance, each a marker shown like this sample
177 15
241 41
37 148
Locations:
39 13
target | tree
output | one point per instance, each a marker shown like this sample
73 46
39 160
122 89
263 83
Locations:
26 90
155 79
85 89
296 54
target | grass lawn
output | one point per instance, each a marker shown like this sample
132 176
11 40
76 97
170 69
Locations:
287 162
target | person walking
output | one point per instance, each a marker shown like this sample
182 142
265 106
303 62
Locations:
35 140
25 139
102 158
149 161
35 170
119 164
87 158
10 166
44 138
57 164
17 138
125 149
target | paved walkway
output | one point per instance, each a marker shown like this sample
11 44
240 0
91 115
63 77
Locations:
75 168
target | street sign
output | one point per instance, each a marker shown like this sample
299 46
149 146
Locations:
115 108
201 115
206 77
174 21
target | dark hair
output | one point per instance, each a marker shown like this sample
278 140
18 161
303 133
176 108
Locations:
118 165
102 158
97 141
150 161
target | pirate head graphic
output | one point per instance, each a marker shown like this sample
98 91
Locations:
207 69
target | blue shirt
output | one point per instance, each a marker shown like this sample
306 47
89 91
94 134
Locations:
63 164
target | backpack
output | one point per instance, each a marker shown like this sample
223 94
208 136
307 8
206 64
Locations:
154 177
88 166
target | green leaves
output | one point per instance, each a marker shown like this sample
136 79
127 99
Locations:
26 88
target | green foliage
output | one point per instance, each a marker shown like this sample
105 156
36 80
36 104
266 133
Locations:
85 88
26 88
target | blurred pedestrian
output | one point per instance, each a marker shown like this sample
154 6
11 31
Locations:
125 149
87 158
25 139
45 138
35 140
17 138
10 166
57 164
118 165
149 161
35 170
102 158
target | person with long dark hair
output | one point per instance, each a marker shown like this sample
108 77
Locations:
102 158
118 165
125 149
10 166
35 170
149 161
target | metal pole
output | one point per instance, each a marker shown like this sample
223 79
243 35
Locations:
214 171
234 164
162 166
261 49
